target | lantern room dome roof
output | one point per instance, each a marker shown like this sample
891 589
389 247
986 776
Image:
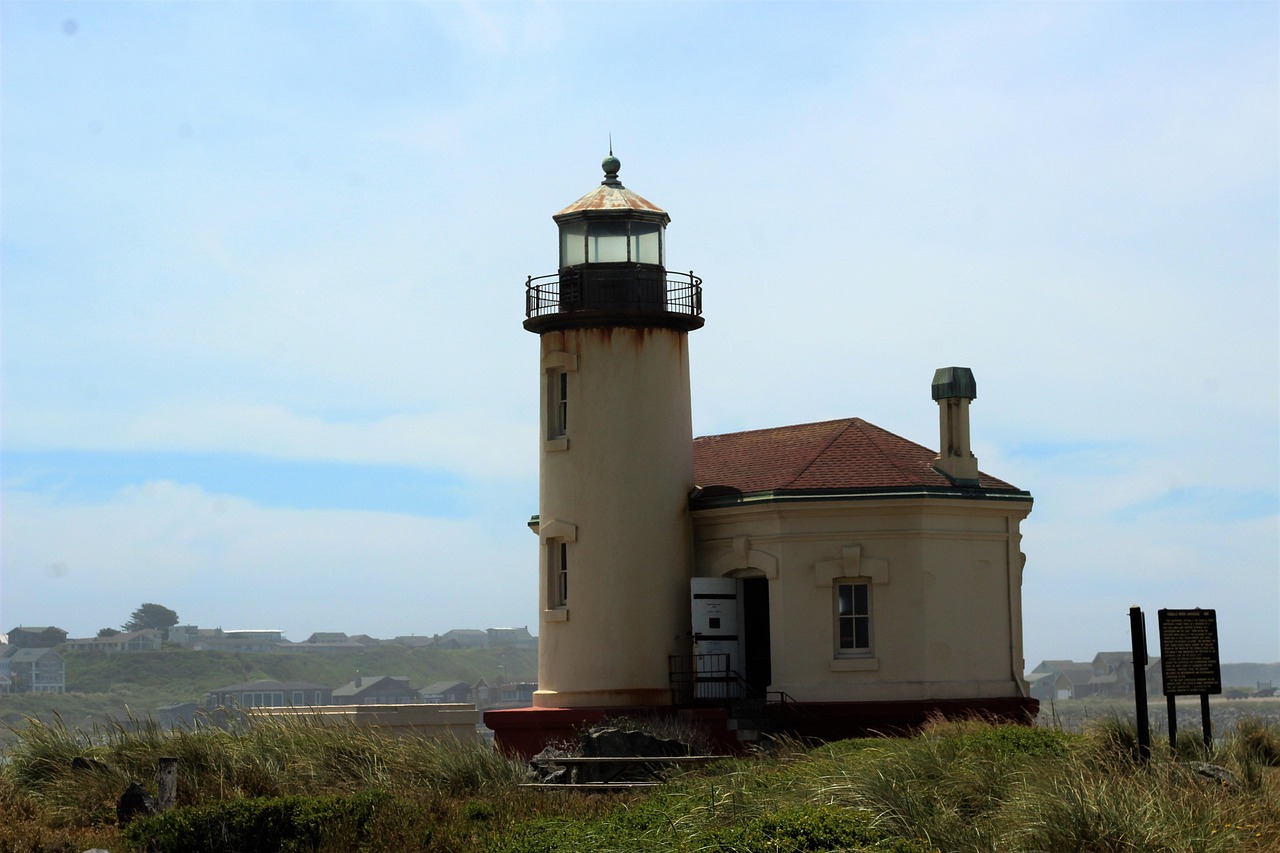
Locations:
611 197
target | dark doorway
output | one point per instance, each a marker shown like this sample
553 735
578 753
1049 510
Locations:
755 634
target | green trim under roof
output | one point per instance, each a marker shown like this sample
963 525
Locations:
826 495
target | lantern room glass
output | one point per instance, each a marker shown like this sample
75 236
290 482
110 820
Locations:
646 242
573 243
606 242
612 241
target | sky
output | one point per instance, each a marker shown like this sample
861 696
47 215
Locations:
262 270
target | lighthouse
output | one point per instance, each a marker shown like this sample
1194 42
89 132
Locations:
825 579
616 454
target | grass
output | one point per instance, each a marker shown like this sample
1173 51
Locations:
103 687
966 786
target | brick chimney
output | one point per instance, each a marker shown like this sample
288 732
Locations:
953 388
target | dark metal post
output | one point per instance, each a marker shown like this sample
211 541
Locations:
1173 725
1204 721
1138 632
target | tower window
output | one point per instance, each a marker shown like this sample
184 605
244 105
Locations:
853 619
558 573
562 402
557 404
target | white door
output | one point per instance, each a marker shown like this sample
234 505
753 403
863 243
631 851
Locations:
716 644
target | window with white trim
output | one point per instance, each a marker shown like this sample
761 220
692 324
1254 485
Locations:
557 574
557 404
852 618
560 574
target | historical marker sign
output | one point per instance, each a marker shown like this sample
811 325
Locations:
1189 652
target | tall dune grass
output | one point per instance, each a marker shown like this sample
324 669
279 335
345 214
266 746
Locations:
957 786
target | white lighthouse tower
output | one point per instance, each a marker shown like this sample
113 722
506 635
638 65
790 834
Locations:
616 453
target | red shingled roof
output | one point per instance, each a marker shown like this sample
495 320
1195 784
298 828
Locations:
844 454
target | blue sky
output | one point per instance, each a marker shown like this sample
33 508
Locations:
262 285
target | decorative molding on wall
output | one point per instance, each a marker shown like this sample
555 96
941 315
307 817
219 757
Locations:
851 565
558 530
743 556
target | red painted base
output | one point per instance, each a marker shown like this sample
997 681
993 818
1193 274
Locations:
525 732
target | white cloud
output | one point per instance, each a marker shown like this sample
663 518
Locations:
469 442
220 560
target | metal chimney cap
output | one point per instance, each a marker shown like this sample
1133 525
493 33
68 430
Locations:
949 382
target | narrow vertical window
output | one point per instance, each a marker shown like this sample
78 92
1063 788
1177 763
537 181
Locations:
562 403
562 576
557 404
853 619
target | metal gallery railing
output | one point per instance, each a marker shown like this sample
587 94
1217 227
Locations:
628 290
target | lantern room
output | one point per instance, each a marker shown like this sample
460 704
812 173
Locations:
612 269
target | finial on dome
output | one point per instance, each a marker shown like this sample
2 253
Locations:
611 165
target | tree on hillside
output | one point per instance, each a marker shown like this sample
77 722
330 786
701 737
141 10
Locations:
151 616
107 632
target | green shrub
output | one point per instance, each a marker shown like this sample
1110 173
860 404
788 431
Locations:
269 825
807 828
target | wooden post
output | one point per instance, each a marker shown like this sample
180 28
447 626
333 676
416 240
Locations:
1204 721
168 784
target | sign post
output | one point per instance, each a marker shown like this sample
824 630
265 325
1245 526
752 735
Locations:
1138 633
1189 659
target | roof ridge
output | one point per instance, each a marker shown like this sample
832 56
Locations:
835 436
874 436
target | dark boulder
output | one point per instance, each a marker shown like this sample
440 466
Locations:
133 803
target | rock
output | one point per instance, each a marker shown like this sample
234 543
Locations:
1215 773
134 802
610 742
545 770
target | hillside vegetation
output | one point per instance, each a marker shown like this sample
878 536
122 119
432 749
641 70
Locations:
102 687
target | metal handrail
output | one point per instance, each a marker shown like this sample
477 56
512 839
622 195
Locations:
680 293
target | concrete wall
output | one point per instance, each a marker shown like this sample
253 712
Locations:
439 721
615 489
945 577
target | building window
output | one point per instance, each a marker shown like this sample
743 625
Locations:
557 574
853 619
560 551
557 404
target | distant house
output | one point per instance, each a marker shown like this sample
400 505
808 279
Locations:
218 640
240 640
33 637
269 694
365 640
518 637
463 638
377 690
1108 675
519 694
445 692
148 639
1060 679
327 637
413 641
322 641
177 714
36 671
6 684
